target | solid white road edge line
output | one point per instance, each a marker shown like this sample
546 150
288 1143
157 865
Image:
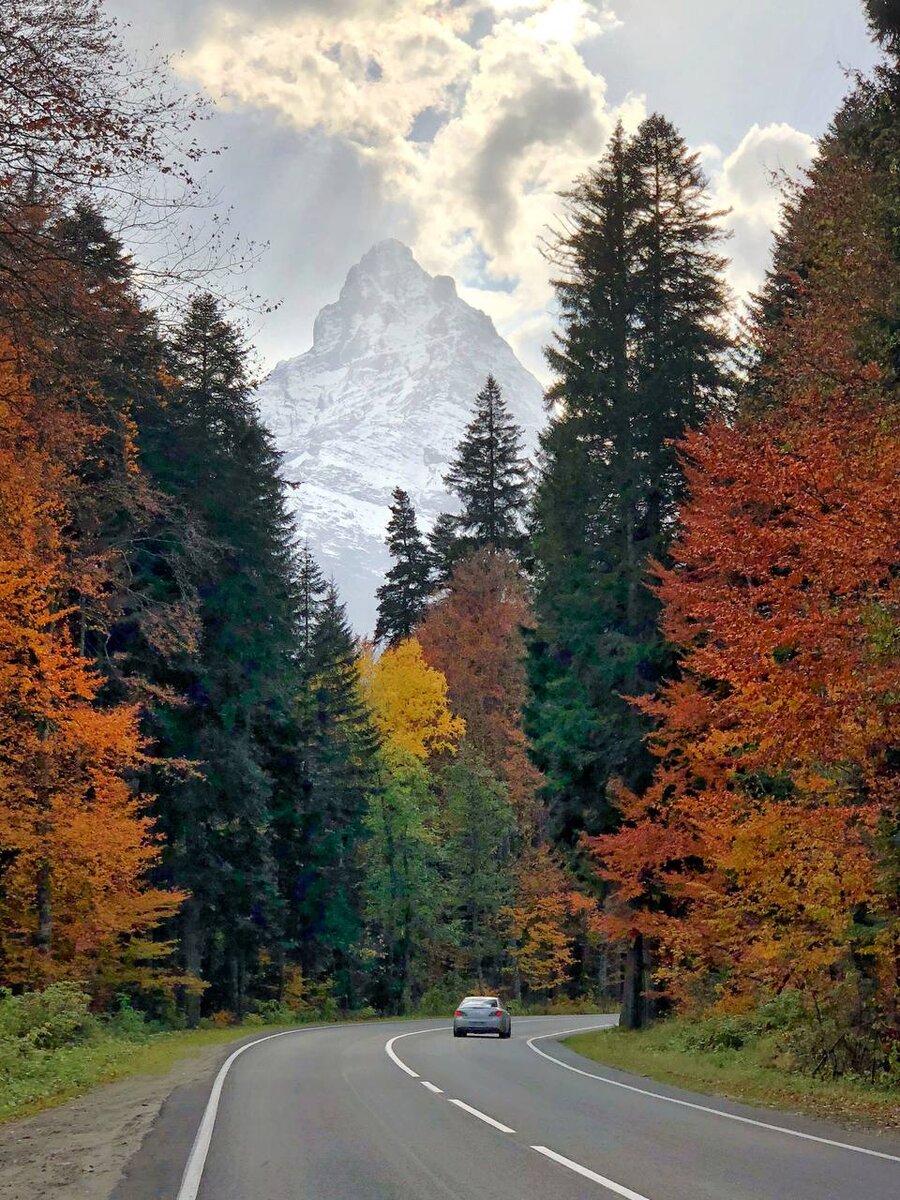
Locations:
484 1117
705 1108
580 1170
193 1171
437 1091
389 1049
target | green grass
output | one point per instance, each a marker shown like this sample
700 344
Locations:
45 1078
744 1074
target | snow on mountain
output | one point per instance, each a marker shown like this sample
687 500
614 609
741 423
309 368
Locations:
382 399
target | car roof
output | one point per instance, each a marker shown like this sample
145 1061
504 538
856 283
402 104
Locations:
466 999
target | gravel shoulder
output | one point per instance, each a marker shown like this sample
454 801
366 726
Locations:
79 1150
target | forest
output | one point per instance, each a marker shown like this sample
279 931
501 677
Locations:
629 730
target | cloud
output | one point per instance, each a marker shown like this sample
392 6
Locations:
453 124
750 182
476 112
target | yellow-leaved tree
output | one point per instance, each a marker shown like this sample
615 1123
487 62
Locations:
409 701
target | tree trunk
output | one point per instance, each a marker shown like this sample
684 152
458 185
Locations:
634 1006
192 950
44 936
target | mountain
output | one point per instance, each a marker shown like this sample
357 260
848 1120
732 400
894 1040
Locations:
381 399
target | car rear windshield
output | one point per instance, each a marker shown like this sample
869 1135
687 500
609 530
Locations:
479 1004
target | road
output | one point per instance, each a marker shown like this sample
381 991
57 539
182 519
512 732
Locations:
404 1111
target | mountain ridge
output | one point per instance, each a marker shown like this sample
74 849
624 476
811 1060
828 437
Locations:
381 399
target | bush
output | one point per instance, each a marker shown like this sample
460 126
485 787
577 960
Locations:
441 999
57 1016
129 1024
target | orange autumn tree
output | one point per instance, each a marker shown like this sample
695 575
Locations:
545 919
759 858
474 636
75 844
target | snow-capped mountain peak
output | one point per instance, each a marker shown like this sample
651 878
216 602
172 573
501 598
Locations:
379 400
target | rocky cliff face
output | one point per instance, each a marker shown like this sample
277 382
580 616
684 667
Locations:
381 399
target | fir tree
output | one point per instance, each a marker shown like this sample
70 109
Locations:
335 767
207 450
445 547
403 596
490 476
641 355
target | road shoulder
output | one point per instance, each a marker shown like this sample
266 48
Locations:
80 1149
639 1056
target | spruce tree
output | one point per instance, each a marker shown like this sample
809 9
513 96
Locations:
490 476
335 766
445 548
403 596
206 449
641 355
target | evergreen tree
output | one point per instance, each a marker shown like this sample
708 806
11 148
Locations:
884 21
490 476
206 449
641 354
445 547
480 828
335 764
403 596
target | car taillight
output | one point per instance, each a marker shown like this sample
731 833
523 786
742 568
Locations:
499 1012
458 1013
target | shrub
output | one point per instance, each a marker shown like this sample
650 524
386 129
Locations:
45 1020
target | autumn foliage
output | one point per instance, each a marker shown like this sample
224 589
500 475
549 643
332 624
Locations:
409 702
474 636
76 845
760 858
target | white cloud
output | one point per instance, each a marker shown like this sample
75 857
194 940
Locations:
514 115
518 116
750 182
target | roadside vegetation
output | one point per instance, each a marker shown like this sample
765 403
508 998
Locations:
766 1057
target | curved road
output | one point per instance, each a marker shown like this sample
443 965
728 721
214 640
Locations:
404 1111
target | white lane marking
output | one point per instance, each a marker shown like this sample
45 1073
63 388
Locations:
437 1091
482 1116
389 1048
705 1108
193 1171
580 1170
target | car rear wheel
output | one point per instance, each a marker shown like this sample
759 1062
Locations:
459 1033
508 1033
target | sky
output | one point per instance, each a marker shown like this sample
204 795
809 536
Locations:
453 125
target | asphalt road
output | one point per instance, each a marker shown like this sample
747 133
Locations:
406 1112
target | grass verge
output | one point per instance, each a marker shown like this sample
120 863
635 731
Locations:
51 1077
740 1074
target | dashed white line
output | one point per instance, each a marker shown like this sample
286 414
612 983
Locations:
704 1108
580 1170
482 1116
437 1091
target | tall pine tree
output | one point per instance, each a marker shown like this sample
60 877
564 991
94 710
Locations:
641 354
490 476
403 596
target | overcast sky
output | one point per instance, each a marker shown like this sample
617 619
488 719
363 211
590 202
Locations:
453 125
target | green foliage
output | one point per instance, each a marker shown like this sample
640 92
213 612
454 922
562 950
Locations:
45 1020
641 355
403 887
490 477
480 828
403 596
